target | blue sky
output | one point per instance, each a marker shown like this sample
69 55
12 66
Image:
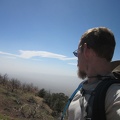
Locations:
37 37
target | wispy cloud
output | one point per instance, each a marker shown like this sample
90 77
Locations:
8 54
30 54
72 64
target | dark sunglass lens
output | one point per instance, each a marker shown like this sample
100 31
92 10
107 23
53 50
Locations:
75 53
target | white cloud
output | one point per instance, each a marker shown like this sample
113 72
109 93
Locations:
30 54
72 64
8 54
37 59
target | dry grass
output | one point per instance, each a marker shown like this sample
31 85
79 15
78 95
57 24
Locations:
18 105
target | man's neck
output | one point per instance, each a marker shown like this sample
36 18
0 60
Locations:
98 69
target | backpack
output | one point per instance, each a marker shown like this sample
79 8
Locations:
96 103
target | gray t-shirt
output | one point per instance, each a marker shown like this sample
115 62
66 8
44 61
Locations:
77 108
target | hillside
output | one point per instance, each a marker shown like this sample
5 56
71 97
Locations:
17 103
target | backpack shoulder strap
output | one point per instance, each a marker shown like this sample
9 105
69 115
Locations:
96 102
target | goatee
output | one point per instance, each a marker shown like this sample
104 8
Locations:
81 74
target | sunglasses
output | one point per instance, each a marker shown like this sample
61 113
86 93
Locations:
76 51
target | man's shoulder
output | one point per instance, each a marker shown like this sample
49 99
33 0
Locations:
113 91
77 96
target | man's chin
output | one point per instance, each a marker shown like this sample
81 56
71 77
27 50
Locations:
81 74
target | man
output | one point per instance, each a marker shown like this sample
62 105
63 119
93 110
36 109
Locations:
95 52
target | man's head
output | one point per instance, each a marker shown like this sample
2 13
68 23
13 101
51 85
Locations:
100 40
